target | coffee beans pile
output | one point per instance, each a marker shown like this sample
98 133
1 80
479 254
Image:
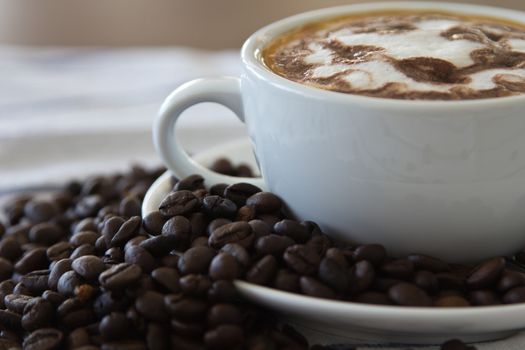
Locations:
82 269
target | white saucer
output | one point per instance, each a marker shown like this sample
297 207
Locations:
361 323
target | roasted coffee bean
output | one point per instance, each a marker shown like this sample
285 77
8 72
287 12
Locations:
20 288
180 228
215 224
79 318
224 314
141 257
185 308
236 232
510 279
372 297
217 206
425 262
273 244
10 320
61 267
167 278
337 255
157 337
223 166
456 344
264 202
188 329
199 223
486 274
68 282
320 244
449 281
53 297
84 249
287 280
10 248
87 224
43 339
222 291
293 229
244 170
374 253
120 276
45 233
195 285
89 205
426 280
130 206
239 192
399 268
35 259
151 306
363 274
6 287
245 213
111 227
260 228
78 338
218 189
224 267
196 260
451 301
40 210
514 295
84 237
302 259
38 313
483 297
113 256
224 337
110 302
88 266
16 302
408 294
311 286
334 275
36 281
179 203
170 260
135 241
190 183
126 231
239 253
6 269
153 223
201 241
160 245
263 271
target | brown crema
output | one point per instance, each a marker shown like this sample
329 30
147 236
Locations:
465 57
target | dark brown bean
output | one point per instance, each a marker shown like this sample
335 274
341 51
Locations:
263 271
483 297
399 268
126 231
38 313
224 337
185 308
302 259
287 280
239 192
35 259
408 294
141 257
196 260
486 274
451 301
167 278
312 287
426 280
375 253
120 276
514 295
235 232
293 229
43 339
45 233
264 202
224 267
510 279
179 203
88 266
334 275
190 183
153 223
428 263
273 244
151 306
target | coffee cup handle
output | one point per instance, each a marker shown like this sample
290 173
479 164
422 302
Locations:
223 90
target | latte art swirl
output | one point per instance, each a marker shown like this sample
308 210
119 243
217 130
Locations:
405 56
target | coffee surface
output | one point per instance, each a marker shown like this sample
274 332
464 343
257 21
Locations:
403 55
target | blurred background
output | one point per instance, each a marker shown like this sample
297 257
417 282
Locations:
81 81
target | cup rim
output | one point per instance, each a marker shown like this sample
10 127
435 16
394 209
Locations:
253 46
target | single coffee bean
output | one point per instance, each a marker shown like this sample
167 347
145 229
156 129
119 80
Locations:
426 280
113 256
89 205
486 274
260 228
185 308
157 337
120 276
135 241
195 285
21 289
167 278
312 287
40 210
224 314
224 337
88 266
236 232
53 297
43 339
273 244
84 249
151 306
456 344
201 241
61 267
217 206
223 166
222 291
160 245
141 257
224 267
108 302
239 253
320 244
45 233
153 223
215 224
130 206
334 275
263 271
218 189
6 268
196 260
180 228
84 237
399 268
38 313
35 259
338 255
16 302
10 320
451 301
371 297
179 203
239 192
170 260
264 202
111 227
190 183
126 231
199 223
374 253
68 282
425 262
483 297
10 248
6 287
293 229
60 250
245 213
302 259
510 279
408 294
363 275
36 281
514 295
87 224
287 280
78 338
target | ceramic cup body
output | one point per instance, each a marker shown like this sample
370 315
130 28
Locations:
444 178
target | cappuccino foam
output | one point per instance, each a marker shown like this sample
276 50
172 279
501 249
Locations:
406 56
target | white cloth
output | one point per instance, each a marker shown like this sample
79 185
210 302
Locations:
68 113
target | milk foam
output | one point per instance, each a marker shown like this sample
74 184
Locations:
356 57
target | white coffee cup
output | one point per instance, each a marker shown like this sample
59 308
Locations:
444 178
